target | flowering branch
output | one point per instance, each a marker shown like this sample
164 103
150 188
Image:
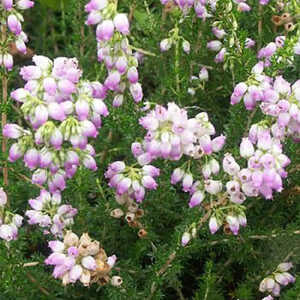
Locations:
4 102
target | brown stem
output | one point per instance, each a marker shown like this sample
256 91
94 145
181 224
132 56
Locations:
33 280
4 116
172 256
26 178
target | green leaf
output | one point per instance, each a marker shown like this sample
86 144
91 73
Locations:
54 4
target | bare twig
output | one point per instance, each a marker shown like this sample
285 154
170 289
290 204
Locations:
31 264
33 280
26 178
143 51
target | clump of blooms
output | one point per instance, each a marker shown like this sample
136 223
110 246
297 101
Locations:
277 98
132 180
64 112
266 163
232 212
170 134
48 212
11 14
81 259
203 9
9 222
217 45
280 277
114 49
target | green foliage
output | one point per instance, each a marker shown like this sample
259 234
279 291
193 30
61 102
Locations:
55 4
212 267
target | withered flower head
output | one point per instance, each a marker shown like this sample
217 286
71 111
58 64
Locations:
289 26
142 233
70 239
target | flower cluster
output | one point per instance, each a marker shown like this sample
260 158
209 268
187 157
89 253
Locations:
132 180
9 222
217 45
81 259
203 9
278 99
280 277
114 49
231 214
12 16
64 113
266 163
48 212
170 134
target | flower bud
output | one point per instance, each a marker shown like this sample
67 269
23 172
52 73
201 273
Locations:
186 237
70 239
116 281
117 213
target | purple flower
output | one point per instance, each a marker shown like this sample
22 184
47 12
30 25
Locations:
56 111
8 232
186 237
25 4
123 185
218 143
249 43
132 75
233 223
31 158
15 152
56 139
105 30
66 86
94 17
121 23
90 163
89 263
196 199
14 24
7 4
8 61
149 183
39 176
50 86
220 56
213 225
20 45
219 33
214 45
113 80
136 92
13 131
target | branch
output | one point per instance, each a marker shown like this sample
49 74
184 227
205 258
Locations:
33 280
26 178
143 51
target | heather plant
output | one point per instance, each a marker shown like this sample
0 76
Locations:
191 190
